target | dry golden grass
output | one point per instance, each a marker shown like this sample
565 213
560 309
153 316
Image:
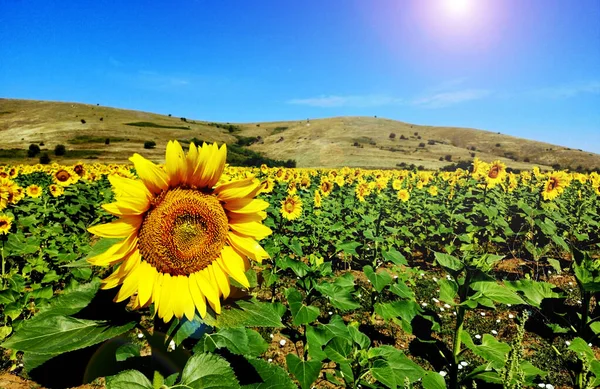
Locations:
314 143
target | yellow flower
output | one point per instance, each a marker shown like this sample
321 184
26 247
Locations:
184 232
496 174
433 190
5 224
318 199
291 207
326 186
362 190
403 195
555 185
33 191
56 190
267 186
397 184
65 176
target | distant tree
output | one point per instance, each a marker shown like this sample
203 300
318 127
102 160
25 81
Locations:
33 150
526 159
101 119
448 157
403 137
430 142
498 145
44 159
183 119
421 145
60 150
107 141
149 144
82 121
392 135
416 133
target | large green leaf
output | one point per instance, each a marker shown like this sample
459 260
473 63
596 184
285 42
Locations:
491 350
379 280
273 376
208 371
433 380
129 379
448 290
449 262
533 291
246 314
496 292
60 334
395 256
241 341
301 314
306 372
71 301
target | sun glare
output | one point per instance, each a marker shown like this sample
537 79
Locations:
457 7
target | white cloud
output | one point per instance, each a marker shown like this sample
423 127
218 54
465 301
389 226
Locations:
445 99
569 90
360 101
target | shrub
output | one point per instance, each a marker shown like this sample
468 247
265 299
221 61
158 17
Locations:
403 137
149 144
33 150
430 142
441 158
498 145
41 143
421 145
107 141
416 133
44 159
60 150
448 157
392 135
526 159
82 121
183 119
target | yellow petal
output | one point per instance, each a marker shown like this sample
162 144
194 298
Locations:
167 289
234 265
126 187
252 229
130 285
175 163
212 163
120 228
116 252
191 161
180 288
190 307
222 279
156 291
155 179
247 246
197 296
208 290
125 268
127 206
234 184
246 217
246 205
148 277
249 190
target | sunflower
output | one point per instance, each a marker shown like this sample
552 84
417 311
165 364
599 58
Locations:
33 191
267 186
433 190
495 174
65 176
318 199
362 190
184 232
555 185
291 207
5 224
403 195
326 186
56 190
397 184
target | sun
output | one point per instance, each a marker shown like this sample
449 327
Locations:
457 7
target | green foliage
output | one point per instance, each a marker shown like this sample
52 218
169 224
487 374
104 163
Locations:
154 125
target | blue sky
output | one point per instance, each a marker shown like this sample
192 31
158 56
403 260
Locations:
528 68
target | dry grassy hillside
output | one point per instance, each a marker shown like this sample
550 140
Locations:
334 142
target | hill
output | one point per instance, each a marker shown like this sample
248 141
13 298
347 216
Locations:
334 142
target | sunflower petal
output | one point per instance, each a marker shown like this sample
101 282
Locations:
116 252
148 278
234 265
167 290
127 206
126 187
175 164
155 179
249 190
180 288
246 217
246 205
130 285
206 287
120 228
197 296
247 246
192 162
221 279
212 163
253 229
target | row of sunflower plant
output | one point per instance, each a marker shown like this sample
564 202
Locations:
362 278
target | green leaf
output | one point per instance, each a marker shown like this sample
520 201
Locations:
358 337
246 314
449 262
340 297
395 256
127 350
534 291
348 247
129 379
71 301
240 341
380 280
581 347
497 292
404 309
60 334
433 380
401 290
448 290
204 371
338 349
273 376
301 313
5 331
491 350
306 372
395 362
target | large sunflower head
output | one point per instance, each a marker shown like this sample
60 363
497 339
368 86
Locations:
495 174
555 185
185 234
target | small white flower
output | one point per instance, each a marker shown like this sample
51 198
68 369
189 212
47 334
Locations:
549 272
447 306
395 277
330 313
579 302
435 300
20 365
460 367
454 313
448 277
589 344
435 279
369 281
494 332
509 305
567 343
359 295
549 386
511 316
482 313
282 342
422 275
477 336
140 335
497 320
270 360
271 336
464 363
570 290
423 304
570 283
542 385
443 373
442 309
172 345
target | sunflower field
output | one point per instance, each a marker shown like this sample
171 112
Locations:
195 274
